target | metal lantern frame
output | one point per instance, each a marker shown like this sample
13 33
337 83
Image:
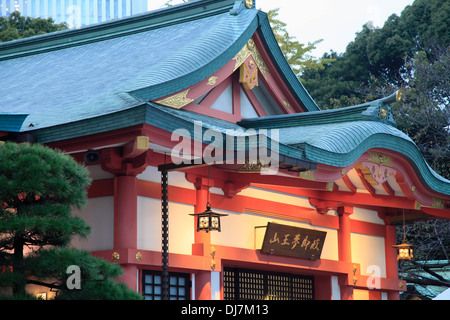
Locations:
404 251
208 220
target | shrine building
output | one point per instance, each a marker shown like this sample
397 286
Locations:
193 109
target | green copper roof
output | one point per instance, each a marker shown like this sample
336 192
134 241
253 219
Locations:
74 75
339 137
11 122
100 78
337 144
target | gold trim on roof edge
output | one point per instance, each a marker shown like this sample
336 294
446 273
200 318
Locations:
176 101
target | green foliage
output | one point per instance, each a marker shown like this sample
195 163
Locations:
39 187
425 113
96 274
16 27
385 54
409 52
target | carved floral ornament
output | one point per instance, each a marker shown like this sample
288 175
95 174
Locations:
377 168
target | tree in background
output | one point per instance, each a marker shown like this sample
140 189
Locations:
38 189
410 52
16 26
381 55
431 241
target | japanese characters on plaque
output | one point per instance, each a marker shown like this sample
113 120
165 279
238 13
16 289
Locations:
293 241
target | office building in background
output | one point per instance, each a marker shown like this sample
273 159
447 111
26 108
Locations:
75 13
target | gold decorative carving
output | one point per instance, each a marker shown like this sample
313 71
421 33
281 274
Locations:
307 175
438 203
249 4
212 81
330 186
380 159
286 104
176 101
248 75
115 256
377 168
138 256
250 50
252 167
383 113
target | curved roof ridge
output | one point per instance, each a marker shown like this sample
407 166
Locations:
340 144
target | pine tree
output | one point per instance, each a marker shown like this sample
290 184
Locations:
38 189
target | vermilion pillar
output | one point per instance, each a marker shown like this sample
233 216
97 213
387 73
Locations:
126 163
125 212
345 247
200 206
202 242
125 223
391 259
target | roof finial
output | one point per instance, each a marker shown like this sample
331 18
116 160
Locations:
240 5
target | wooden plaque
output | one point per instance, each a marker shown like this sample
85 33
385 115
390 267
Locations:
293 241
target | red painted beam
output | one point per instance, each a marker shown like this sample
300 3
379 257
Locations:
349 184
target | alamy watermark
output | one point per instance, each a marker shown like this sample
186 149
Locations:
374 280
74 280
253 148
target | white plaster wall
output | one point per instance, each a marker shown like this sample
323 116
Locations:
181 226
369 252
276 196
238 230
225 101
247 110
97 173
366 215
99 215
176 178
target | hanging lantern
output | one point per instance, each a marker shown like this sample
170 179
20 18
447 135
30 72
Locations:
208 220
405 251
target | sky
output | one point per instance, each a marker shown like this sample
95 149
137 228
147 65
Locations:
334 21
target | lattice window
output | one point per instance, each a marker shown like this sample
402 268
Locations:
243 284
179 285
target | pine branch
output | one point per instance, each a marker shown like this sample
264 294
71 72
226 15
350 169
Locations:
53 285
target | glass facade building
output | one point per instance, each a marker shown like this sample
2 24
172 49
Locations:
75 13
